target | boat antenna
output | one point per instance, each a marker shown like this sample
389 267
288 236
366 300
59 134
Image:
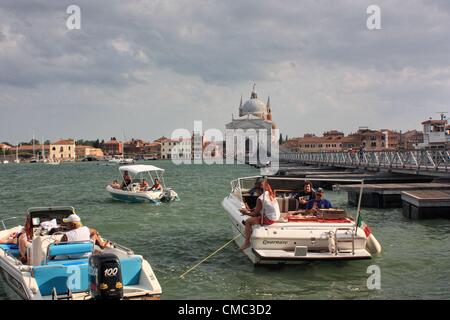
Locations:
358 213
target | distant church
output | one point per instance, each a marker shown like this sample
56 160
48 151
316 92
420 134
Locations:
254 114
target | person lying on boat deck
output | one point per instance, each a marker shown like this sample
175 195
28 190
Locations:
254 193
267 206
157 186
308 193
144 185
318 202
78 232
21 238
115 184
126 180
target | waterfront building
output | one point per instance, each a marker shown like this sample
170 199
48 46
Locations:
82 152
436 133
253 114
335 141
5 147
166 148
112 147
152 150
411 139
63 150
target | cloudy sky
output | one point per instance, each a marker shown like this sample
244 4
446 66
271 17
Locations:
143 68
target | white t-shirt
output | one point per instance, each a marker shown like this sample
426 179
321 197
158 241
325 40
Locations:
270 208
80 234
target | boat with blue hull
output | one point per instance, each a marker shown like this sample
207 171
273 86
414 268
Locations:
135 192
72 270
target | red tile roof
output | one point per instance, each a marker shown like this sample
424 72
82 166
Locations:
64 142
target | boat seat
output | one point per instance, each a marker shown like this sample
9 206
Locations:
68 262
70 250
131 270
10 248
287 204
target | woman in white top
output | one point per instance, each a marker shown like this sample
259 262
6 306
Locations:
266 204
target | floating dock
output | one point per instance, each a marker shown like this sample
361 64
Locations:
426 204
388 195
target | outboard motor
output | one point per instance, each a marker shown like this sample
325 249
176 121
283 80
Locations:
105 277
167 195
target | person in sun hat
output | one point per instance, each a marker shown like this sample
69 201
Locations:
78 232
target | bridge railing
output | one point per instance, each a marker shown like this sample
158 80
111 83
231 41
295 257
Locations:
416 160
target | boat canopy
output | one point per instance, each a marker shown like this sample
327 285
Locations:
139 168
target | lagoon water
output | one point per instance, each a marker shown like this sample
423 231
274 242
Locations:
415 263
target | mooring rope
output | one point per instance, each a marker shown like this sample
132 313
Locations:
212 254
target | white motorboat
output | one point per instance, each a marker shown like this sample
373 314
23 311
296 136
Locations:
17 160
73 270
134 193
53 162
121 160
332 234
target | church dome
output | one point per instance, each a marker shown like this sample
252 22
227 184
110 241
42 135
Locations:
254 106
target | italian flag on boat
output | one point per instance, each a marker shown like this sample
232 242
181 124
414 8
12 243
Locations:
363 225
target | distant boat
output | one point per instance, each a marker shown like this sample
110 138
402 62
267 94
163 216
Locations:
4 157
52 162
17 160
121 160
134 193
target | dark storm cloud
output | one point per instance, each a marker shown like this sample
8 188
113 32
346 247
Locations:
194 58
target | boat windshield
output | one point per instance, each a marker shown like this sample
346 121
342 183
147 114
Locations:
39 216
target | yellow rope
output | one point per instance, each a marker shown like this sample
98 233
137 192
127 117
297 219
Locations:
212 254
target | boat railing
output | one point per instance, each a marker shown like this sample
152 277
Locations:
121 247
6 219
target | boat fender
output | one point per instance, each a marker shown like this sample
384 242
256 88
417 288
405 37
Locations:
331 242
372 245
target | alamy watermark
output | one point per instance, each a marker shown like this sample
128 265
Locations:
73 21
374 280
237 146
374 20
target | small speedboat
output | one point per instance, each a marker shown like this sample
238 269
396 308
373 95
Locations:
121 160
73 270
134 193
53 162
330 234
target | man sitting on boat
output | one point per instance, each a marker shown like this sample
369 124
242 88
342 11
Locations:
144 185
157 186
318 202
306 194
77 232
267 205
126 180
115 184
